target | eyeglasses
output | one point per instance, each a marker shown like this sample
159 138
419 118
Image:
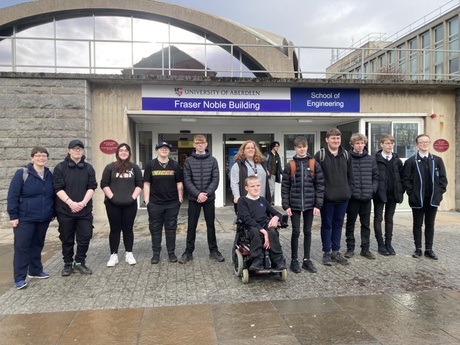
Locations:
77 148
424 142
40 155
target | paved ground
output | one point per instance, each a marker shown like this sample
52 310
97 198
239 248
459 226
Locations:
389 300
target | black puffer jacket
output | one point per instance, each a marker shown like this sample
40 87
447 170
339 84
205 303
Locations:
201 174
366 174
397 166
303 191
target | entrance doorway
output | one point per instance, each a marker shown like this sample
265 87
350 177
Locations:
232 143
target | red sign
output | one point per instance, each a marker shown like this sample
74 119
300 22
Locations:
441 145
108 146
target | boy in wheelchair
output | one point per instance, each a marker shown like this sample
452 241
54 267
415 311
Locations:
261 219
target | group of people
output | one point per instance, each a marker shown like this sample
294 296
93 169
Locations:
333 183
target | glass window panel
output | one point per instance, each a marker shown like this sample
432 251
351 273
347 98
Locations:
405 134
180 35
73 54
6 54
453 27
111 54
81 28
289 151
35 52
41 31
113 28
453 66
147 30
377 131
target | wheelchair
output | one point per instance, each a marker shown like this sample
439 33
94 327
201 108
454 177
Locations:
241 257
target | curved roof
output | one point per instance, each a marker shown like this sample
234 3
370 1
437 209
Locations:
219 29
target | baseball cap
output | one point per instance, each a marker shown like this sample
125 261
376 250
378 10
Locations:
76 142
163 143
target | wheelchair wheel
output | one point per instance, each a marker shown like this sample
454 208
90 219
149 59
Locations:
283 275
245 277
238 263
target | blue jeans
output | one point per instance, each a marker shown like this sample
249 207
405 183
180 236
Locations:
332 216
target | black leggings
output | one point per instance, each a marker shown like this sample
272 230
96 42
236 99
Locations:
121 218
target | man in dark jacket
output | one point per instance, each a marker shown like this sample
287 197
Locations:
389 192
302 193
366 175
338 177
201 178
425 181
74 182
274 168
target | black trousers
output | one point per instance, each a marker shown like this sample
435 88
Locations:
75 228
256 237
159 216
307 223
429 213
121 219
194 210
363 209
390 207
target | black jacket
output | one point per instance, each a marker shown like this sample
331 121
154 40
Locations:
303 191
279 170
366 175
338 176
201 174
397 167
415 185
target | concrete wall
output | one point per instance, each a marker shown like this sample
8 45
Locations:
45 112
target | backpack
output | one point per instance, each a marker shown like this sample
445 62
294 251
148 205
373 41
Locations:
25 175
311 166
322 153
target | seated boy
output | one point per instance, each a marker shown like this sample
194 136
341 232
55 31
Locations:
261 218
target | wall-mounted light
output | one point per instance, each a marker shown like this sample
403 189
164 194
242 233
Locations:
248 132
305 121
188 119
184 131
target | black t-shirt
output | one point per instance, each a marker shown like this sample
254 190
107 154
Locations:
163 181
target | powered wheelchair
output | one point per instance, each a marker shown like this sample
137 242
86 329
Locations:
241 256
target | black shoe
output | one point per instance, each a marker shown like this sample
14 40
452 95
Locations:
417 254
349 253
172 257
256 265
186 257
430 254
295 266
337 257
81 268
308 265
67 270
279 264
155 259
327 259
367 254
390 249
383 250
217 256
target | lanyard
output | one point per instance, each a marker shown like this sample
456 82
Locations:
254 168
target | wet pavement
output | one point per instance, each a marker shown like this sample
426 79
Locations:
390 300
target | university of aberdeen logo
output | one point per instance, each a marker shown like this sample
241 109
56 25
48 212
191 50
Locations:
178 91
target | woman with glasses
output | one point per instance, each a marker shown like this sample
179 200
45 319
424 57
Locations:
74 182
249 161
30 208
122 183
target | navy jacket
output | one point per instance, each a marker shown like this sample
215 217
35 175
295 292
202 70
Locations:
396 165
415 185
32 200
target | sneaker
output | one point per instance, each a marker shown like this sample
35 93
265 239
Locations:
337 257
327 260
390 249
382 250
129 258
367 254
217 256
113 260
430 254
21 284
308 265
67 270
172 257
349 253
186 257
417 254
256 265
41 275
279 264
155 259
295 266
81 268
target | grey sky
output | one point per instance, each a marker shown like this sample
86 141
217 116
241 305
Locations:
333 23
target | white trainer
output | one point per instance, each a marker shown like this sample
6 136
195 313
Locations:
113 260
129 258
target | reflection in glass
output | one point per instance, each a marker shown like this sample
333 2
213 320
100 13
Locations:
73 54
81 28
6 55
405 134
289 151
38 31
31 52
147 30
377 131
112 54
113 28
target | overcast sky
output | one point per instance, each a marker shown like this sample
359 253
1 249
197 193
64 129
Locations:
332 23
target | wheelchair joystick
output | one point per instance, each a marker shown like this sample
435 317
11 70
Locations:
267 262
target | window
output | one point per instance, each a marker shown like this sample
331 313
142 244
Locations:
453 48
425 40
401 59
413 54
439 54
